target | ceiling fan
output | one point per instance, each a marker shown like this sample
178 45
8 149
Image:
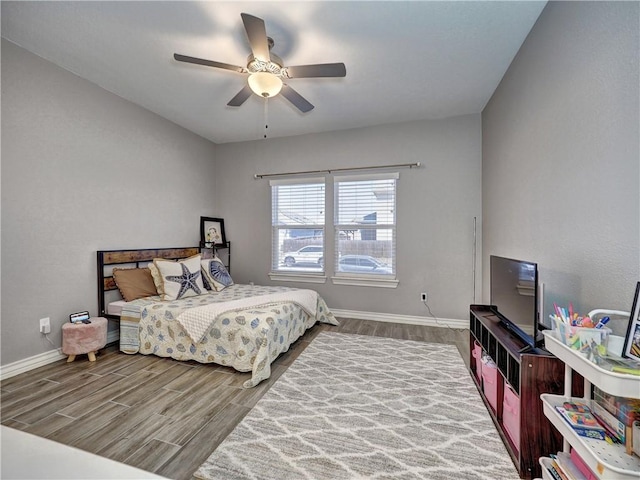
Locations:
266 70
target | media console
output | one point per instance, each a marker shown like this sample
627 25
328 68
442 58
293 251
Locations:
530 373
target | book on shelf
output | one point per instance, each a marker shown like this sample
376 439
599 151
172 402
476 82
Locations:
617 414
624 409
617 364
584 423
554 470
581 465
614 427
564 462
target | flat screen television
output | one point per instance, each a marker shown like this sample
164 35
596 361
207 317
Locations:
514 293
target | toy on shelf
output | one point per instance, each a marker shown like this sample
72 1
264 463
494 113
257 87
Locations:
581 333
579 416
613 360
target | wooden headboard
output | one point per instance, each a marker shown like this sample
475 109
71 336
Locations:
130 258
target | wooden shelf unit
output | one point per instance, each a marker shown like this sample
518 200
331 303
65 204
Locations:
530 374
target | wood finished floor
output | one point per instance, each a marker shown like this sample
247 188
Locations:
159 414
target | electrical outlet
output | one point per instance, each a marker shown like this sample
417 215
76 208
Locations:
45 325
423 296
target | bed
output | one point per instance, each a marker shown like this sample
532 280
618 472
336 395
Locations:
241 326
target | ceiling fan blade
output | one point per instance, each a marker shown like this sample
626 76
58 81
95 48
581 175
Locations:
257 34
294 97
240 97
208 63
319 70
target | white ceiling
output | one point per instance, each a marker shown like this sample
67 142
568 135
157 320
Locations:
406 60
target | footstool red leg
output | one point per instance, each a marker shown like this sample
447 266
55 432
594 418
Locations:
92 356
71 358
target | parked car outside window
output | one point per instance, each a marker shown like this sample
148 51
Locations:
362 264
311 254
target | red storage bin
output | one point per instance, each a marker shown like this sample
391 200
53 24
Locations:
477 354
511 415
490 383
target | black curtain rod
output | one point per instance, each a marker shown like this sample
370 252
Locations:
332 170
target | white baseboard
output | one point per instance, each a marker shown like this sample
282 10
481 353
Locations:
407 319
42 359
21 366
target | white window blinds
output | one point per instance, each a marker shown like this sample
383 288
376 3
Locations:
365 224
297 219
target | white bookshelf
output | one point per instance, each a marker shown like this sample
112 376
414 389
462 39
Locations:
618 384
606 460
609 462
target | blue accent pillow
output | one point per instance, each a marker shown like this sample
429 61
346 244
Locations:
216 273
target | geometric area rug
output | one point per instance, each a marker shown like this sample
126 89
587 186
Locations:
356 407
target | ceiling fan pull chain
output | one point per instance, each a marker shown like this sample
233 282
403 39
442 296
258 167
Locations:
266 116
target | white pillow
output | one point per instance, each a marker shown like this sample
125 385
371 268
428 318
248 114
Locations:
157 278
216 274
180 279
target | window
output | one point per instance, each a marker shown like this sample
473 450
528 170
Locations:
297 220
365 225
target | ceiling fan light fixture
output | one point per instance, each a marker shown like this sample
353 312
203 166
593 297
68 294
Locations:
266 70
265 84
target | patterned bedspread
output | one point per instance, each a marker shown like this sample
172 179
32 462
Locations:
247 340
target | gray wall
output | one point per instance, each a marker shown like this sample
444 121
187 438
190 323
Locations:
83 170
436 204
552 174
561 159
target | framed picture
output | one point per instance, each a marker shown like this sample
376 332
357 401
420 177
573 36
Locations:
632 340
212 231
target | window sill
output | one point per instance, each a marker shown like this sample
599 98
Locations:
366 281
297 277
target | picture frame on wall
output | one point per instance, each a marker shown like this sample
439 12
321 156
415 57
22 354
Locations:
632 340
212 232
